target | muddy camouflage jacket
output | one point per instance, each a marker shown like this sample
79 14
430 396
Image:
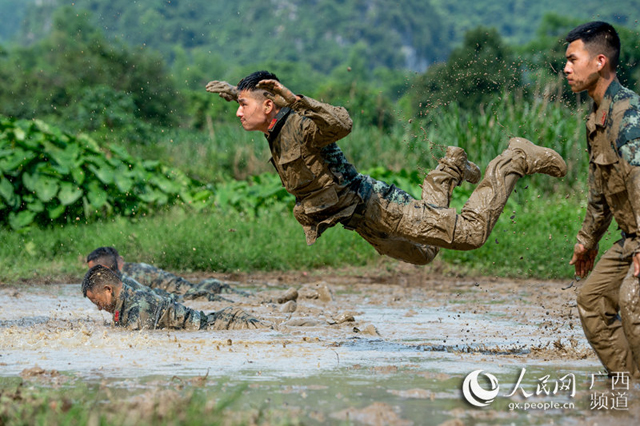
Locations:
312 167
135 285
140 309
156 278
613 140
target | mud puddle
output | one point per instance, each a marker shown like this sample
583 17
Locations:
386 352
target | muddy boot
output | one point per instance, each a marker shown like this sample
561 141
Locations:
456 157
538 159
454 167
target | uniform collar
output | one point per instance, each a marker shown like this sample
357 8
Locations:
600 116
277 123
120 304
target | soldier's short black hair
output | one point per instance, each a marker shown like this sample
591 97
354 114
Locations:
251 81
97 277
107 256
599 38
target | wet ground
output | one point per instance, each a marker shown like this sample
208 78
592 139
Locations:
395 350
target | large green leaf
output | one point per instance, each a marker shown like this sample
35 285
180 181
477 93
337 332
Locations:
150 164
6 190
88 143
36 206
96 195
65 158
29 181
103 171
78 175
21 219
123 180
17 160
150 194
55 211
46 187
69 193
164 184
34 141
19 134
122 153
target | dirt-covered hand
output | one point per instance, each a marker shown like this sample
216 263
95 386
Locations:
583 259
224 89
278 93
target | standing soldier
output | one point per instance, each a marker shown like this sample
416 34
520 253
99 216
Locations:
140 310
613 142
302 135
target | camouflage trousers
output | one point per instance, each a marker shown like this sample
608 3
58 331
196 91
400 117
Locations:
609 308
232 318
413 231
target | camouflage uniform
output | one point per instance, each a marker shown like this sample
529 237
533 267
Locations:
135 285
156 278
613 140
329 190
143 309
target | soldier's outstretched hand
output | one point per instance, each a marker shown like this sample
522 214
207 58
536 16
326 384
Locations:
583 259
281 95
224 89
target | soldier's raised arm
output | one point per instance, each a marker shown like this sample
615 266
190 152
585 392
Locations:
225 90
331 123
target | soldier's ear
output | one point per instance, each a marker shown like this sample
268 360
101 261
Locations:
268 106
602 60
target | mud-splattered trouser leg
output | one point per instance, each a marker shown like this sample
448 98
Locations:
232 318
608 289
437 188
394 228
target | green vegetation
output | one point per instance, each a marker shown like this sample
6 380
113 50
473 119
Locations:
152 144
50 177
517 20
73 403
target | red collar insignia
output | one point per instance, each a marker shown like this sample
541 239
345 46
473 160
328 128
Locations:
273 123
116 316
603 120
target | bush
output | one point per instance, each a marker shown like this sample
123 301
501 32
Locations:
48 176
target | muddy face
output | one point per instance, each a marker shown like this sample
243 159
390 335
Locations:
104 299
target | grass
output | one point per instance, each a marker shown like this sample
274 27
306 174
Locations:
533 238
80 403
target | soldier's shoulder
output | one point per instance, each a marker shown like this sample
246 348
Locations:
137 267
626 100
130 281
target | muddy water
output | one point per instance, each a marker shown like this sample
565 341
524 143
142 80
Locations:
406 352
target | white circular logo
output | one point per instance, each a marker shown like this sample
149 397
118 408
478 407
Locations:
476 394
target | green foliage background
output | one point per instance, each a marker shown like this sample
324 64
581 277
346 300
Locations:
120 88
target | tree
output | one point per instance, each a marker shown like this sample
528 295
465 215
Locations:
474 73
75 67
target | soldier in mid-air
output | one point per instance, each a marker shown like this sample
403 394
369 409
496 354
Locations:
302 135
